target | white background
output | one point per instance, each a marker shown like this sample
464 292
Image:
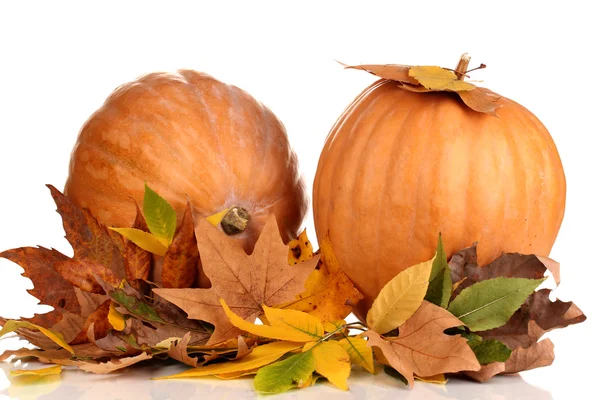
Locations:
59 61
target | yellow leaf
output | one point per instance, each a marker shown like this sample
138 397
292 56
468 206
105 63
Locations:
11 326
332 326
360 353
216 219
399 298
145 240
332 361
440 379
437 78
309 382
329 294
290 325
54 370
115 318
300 249
260 356
238 374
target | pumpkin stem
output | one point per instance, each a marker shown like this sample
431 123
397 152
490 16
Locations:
235 221
462 66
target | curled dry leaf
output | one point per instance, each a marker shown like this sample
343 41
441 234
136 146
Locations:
538 355
113 365
245 282
422 348
486 372
101 325
180 264
179 351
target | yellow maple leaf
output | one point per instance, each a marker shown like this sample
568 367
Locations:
260 356
399 298
329 294
332 361
291 325
438 78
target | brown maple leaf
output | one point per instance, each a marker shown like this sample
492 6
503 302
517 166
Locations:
138 261
245 282
422 348
180 264
99 320
48 285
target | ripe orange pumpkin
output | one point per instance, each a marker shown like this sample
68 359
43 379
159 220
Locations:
187 135
398 167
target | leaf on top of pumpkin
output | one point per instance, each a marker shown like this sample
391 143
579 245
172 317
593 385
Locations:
440 282
540 311
422 348
48 285
245 282
90 240
433 78
290 325
329 294
491 303
160 216
180 264
399 298
300 249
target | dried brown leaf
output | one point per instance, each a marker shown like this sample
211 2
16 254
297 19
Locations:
99 320
422 348
68 328
180 264
540 354
114 364
179 352
393 72
543 313
244 282
90 240
56 356
48 285
137 261
89 302
486 372
83 274
481 100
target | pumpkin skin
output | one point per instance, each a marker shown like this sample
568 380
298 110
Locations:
187 135
399 167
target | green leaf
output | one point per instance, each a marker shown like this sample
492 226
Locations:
489 304
160 216
145 240
287 374
136 306
440 282
489 351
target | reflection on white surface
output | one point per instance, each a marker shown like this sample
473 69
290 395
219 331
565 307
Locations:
136 384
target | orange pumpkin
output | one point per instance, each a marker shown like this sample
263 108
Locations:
398 167
187 135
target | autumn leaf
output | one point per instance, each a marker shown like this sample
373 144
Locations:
11 326
332 326
180 264
260 355
179 351
399 298
216 219
545 315
332 361
90 240
329 294
137 260
486 372
440 282
359 351
144 240
115 318
114 364
394 72
244 282
422 348
54 370
279 377
100 321
160 216
489 304
83 274
300 249
538 355
290 325
489 350
48 285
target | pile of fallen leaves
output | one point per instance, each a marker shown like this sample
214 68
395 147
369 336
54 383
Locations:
191 293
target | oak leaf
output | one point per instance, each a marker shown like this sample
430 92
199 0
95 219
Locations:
245 282
422 348
329 294
540 354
